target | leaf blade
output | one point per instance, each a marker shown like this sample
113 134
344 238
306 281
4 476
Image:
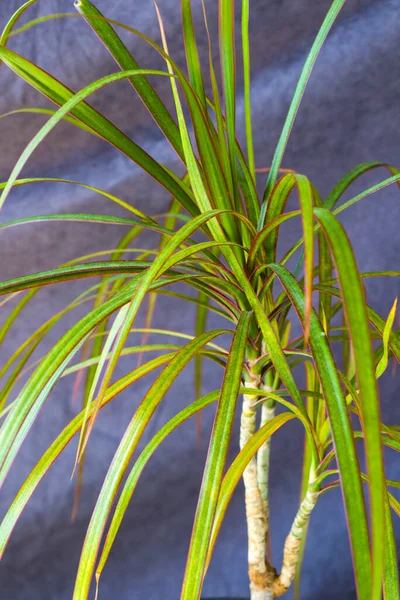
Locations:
216 458
126 61
122 457
357 319
342 435
330 18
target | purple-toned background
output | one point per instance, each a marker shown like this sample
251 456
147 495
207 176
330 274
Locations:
350 114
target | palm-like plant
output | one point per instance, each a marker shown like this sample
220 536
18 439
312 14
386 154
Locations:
220 240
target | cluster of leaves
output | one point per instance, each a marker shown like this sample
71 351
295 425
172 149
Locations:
233 271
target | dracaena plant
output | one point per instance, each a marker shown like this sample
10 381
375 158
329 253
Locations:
219 239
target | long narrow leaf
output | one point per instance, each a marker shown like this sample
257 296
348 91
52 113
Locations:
125 60
357 320
246 85
54 451
235 471
191 51
342 435
295 103
13 21
138 467
391 584
228 70
63 96
350 177
216 458
122 457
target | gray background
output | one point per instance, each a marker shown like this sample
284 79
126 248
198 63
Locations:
350 114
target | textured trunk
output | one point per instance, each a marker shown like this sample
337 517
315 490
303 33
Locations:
263 459
265 584
291 551
256 525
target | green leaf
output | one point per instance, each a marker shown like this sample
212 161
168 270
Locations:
324 268
235 472
12 22
126 61
104 356
111 197
228 72
200 327
295 103
371 190
350 177
74 272
248 189
191 52
357 320
247 86
82 218
221 124
342 435
48 111
391 584
275 208
53 452
213 472
14 314
64 97
139 466
39 20
18 368
122 457
383 363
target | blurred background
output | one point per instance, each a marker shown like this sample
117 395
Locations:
350 114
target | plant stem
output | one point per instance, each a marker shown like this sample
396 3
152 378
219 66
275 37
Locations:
265 584
292 548
263 459
260 573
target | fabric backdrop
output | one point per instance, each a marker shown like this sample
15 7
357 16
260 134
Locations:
350 114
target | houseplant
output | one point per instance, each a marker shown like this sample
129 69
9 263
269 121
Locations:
233 269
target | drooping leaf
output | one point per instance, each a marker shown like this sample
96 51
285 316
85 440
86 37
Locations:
103 193
56 448
121 459
70 103
13 21
357 320
350 177
342 435
139 466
